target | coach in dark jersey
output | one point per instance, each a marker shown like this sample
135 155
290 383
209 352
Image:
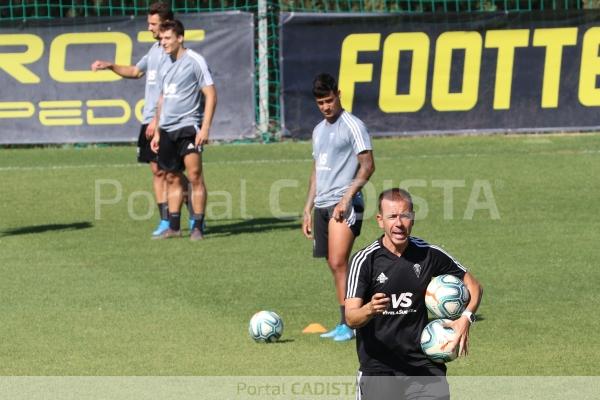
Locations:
149 66
385 303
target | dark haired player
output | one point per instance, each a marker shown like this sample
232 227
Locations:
183 127
385 303
149 66
343 163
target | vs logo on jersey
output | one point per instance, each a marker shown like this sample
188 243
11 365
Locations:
170 89
402 300
400 304
323 159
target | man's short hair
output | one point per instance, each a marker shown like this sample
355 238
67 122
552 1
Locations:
323 85
395 194
175 25
162 9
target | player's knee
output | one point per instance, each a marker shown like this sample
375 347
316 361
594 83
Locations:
337 264
172 178
159 174
195 177
197 182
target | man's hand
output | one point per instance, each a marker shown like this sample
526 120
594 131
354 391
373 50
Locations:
202 136
307 224
154 144
379 303
150 130
100 65
340 210
461 329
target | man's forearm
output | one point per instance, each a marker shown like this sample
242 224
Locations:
210 106
475 290
312 191
361 179
359 317
365 171
126 71
156 119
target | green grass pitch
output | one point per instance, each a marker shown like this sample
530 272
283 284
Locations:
84 291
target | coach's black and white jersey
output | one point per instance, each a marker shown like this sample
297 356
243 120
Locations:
391 341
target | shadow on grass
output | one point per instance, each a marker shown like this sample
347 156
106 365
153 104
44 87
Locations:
254 225
25 230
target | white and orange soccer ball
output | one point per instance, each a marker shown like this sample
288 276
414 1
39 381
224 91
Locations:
435 341
265 326
447 296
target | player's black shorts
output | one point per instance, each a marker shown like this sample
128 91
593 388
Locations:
144 153
395 385
174 146
321 219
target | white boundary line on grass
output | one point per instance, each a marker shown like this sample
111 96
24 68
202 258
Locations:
266 161
230 162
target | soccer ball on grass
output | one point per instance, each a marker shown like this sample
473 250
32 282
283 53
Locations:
265 326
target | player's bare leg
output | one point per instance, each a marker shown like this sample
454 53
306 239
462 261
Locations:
159 184
187 198
339 245
193 166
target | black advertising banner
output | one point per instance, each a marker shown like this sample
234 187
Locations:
48 94
444 73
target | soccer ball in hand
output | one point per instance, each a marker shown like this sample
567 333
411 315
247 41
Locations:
265 326
447 296
435 340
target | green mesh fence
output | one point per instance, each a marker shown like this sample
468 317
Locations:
419 6
33 9
23 10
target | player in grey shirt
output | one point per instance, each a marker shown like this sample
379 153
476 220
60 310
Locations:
149 66
183 127
180 91
343 163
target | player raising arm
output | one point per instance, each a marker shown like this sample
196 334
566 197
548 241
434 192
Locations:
149 66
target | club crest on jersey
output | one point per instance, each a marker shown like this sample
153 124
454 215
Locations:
382 278
417 269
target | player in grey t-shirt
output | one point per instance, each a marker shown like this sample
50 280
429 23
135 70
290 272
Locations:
183 127
149 66
343 163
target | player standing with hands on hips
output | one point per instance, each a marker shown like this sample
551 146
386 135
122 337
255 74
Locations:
385 303
183 128
343 163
